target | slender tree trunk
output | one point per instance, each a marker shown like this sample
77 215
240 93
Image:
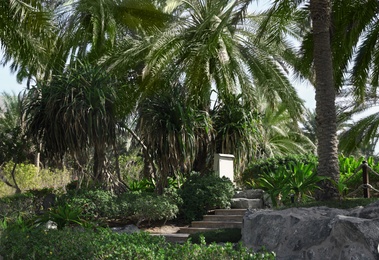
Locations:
327 148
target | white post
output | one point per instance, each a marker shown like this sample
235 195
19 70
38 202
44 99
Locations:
223 165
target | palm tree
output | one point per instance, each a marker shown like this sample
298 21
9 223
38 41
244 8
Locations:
237 129
210 46
322 64
89 28
280 134
25 29
170 128
75 112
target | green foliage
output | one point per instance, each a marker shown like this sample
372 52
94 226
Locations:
29 178
64 215
144 185
232 235
150 206
13 206
350 178
273 164
202 193
140 206
300 179
72 243
95 204
131 166
346 203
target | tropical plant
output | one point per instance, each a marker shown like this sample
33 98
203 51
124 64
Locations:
272 164
25 32
298 179
361 136
279 134
170 130
209 46
63 215
73 113
236 125
210 43
322 50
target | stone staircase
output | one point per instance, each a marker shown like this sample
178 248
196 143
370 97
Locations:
221 218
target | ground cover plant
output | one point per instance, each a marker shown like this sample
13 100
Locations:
72 243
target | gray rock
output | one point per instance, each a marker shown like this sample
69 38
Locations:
243 203
312 233
250 194
51 225
129 229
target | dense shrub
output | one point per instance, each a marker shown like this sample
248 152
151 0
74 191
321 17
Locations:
253 171
148 206
232 235
95 203
203 193
103 244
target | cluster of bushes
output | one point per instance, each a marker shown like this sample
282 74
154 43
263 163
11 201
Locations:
294 178
82 217
196 196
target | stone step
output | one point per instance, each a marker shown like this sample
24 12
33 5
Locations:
216 224
244 203
179 238
222 218
240 212
193 230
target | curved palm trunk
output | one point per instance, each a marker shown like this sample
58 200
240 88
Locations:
327 148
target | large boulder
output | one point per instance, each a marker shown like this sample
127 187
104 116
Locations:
314 233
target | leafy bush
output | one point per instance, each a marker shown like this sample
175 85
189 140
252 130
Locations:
149 206
273 164
203 193
103 244
232 235
95 204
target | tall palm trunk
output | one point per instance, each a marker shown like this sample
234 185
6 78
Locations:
325 98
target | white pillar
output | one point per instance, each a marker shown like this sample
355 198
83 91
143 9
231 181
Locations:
223 165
